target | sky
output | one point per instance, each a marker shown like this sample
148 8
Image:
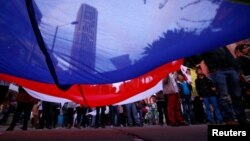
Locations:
126 26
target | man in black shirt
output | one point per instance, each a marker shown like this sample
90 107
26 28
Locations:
221 66
241 51
207 91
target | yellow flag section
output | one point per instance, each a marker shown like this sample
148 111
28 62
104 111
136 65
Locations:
190 75
194 76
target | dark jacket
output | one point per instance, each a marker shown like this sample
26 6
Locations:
219 59
204 87
160 96
244 65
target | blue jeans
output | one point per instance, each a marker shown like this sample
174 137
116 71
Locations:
187 107
132 113
139 111
212 101
228 84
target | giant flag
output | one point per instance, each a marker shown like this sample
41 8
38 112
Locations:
103 52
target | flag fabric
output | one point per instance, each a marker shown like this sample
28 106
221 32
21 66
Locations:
98 53
102 94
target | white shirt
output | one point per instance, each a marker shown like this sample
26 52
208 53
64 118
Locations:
171 87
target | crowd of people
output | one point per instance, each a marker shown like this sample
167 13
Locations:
220 100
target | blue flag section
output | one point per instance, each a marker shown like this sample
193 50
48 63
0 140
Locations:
100 42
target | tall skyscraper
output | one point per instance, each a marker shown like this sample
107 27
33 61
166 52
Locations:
83 53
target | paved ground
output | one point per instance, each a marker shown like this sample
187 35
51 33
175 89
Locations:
146 133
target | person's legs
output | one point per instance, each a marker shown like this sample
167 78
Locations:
207 109
184 107
118 120
160 108
139 111
3 92
186 103
235 91
112 115
97 117
135 115
5 114
220 80
55 117
214 103
177 110
171 108
27 111
103 108
46 115
122 119
16 116
165 109
70 118
84 117
78 116
128 109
